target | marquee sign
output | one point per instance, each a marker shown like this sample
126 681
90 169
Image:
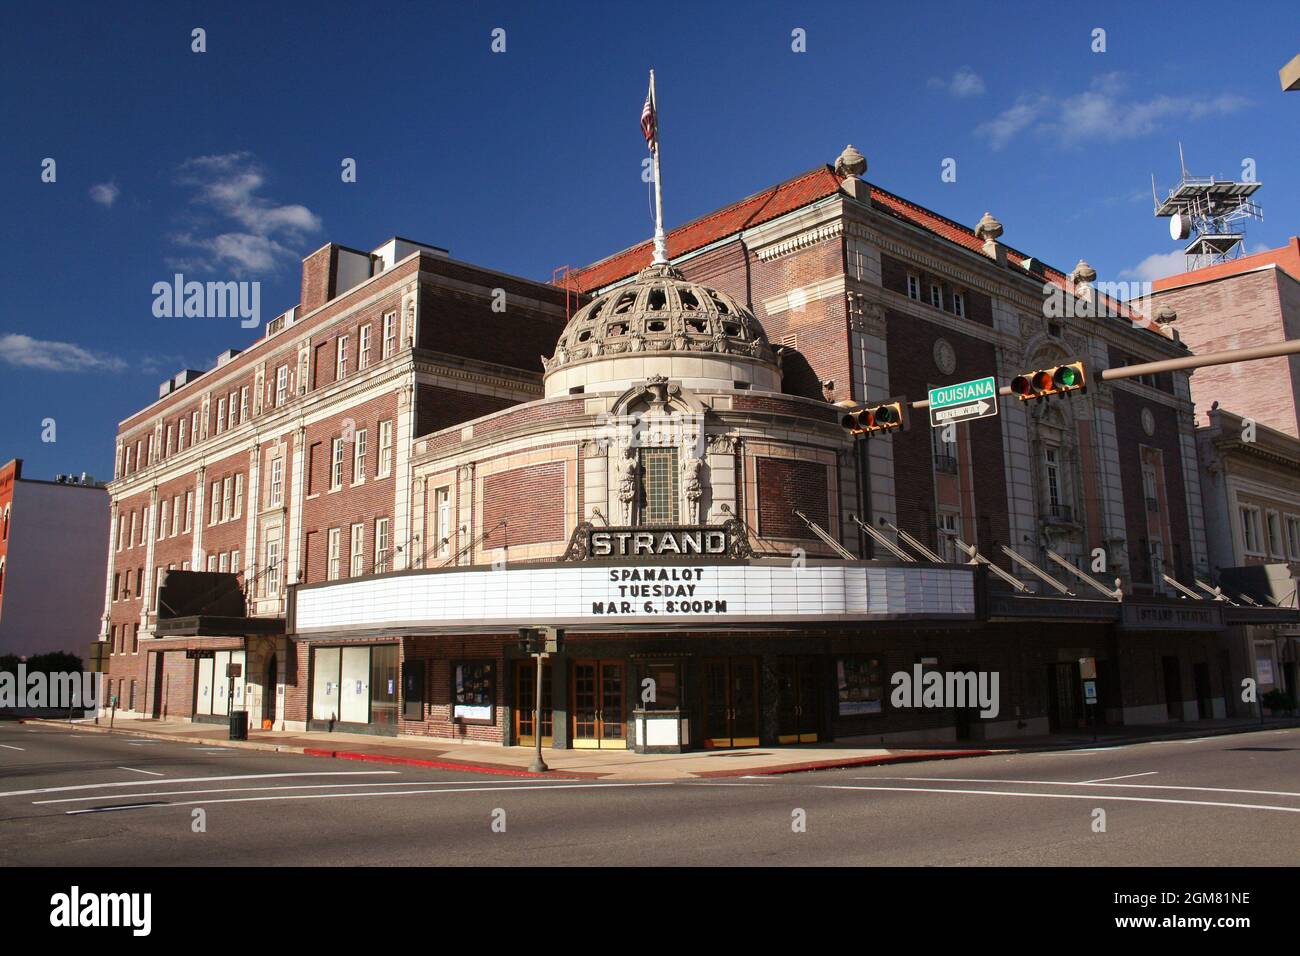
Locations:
669 592
640 543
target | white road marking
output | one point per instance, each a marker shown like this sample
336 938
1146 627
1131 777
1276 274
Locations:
302 786
241 776
11 747
152 773
1126 776
1060 796
1067 783
699 783
384 793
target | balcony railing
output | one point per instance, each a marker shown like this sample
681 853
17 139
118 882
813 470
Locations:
1153 504
1060 512
945 464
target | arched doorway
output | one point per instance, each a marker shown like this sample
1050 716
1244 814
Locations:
269 691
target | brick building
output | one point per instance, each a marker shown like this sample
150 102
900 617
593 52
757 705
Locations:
670 483
53 536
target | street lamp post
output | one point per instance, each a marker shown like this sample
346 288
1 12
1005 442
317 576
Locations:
540 643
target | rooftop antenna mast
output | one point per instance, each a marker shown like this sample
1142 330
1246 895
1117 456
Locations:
1208 214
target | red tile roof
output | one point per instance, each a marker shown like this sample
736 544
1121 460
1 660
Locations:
802 190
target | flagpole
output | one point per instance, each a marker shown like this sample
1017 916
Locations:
661 244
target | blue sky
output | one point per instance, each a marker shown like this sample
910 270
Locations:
226 164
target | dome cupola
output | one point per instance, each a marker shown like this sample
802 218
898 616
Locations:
661 323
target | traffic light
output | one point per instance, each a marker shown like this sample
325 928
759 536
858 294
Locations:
887 416
1046 382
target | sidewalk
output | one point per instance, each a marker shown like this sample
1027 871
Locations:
626 765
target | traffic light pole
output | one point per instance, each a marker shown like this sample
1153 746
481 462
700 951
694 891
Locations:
1287 347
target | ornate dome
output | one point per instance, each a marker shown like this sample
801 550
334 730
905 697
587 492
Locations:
661 313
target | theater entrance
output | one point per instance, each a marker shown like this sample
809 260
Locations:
731 716
525 695
599 718
798 704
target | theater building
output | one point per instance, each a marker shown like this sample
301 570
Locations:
669 482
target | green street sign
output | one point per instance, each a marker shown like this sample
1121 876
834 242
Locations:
963 402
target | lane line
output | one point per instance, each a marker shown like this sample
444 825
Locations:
1068 783
384 793
241 776
303 786
1062 796
152 773
11 747
1125 776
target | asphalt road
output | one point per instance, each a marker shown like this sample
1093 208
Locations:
77 798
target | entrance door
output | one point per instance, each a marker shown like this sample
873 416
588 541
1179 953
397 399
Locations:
1204 702
525 695
798 704
598 717
731 717
268 695
1065 705
1173 688
159 688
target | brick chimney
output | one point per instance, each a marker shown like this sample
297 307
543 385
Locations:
319 274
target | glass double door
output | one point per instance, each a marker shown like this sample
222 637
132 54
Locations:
798 703
525 697
599 719
731 714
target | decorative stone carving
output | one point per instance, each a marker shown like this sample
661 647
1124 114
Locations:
988 227
595 448
723 444
850 163
692 487
945 356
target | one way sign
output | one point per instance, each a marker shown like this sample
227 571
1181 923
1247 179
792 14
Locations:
963 402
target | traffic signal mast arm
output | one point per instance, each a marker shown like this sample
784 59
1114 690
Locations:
1287 347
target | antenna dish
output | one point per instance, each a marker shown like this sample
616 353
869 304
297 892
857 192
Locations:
1209 212
1180 226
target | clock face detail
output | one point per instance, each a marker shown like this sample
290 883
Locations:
945 357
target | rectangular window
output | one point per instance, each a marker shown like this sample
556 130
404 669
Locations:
1053 480
390 334
936 296
473 690
336 466
332 571
1293 537
1250 530
243 404
273 562
277 482
233 408
947 548
341 358
363 347
234 561
959 305
381 546
181 435
658 486
281 385
162 519
358 556
221 415
176 515
194 427
359 458
215 512
1273 522
239 495
442 528
212 562
121 528
861 685
223 565
385 466
913 287
167 449
189 508
144 526
227 498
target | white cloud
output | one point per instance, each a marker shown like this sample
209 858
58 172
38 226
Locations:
965 82
27 352
105 193
227 187
1101 113
1157 266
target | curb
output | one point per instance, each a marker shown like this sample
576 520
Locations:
850 762
496 769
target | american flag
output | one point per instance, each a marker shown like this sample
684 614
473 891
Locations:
649 122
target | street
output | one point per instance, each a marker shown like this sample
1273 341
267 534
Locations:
71 797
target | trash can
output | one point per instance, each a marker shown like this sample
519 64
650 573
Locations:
239 725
